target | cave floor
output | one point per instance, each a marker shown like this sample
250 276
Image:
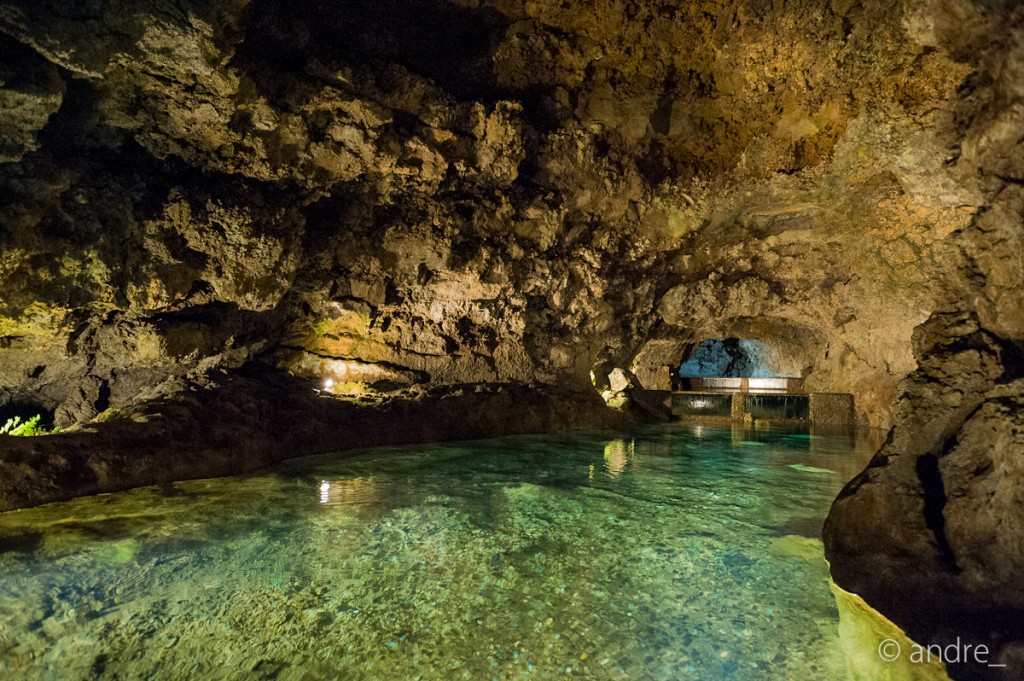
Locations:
675 551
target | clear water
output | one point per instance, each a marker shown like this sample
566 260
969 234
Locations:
666 552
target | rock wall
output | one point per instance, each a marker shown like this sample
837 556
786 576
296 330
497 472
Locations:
394 196
189 186
931 531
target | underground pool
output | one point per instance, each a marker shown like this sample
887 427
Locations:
661 552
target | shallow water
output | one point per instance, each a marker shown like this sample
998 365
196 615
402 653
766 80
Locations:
666 552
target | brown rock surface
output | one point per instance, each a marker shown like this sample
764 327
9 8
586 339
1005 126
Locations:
410 196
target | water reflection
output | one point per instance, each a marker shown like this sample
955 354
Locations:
617 455
346 491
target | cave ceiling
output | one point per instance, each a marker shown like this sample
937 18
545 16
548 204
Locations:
443 192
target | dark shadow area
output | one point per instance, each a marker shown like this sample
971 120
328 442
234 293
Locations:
24 409
446 43
934 493
212 327
1012 359
27 79
28 542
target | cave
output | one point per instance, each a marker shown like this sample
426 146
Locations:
728 357
359 336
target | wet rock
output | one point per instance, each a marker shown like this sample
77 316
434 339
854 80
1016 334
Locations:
944 474
251 422
984 509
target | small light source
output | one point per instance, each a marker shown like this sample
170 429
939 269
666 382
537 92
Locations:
328 383
325 492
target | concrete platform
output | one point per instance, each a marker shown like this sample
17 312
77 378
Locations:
821 408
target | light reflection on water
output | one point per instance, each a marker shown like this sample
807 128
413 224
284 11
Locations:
617 455
668 552
344 491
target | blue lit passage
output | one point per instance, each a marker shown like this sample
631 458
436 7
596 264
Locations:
727 357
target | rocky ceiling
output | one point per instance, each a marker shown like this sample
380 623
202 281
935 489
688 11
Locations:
437 193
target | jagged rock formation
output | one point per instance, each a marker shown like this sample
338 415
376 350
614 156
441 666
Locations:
226 180
406 196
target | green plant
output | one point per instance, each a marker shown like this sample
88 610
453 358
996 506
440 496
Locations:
15 426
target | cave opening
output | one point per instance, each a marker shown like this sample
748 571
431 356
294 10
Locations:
747 379
727 357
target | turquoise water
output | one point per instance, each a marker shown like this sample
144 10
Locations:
660 553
